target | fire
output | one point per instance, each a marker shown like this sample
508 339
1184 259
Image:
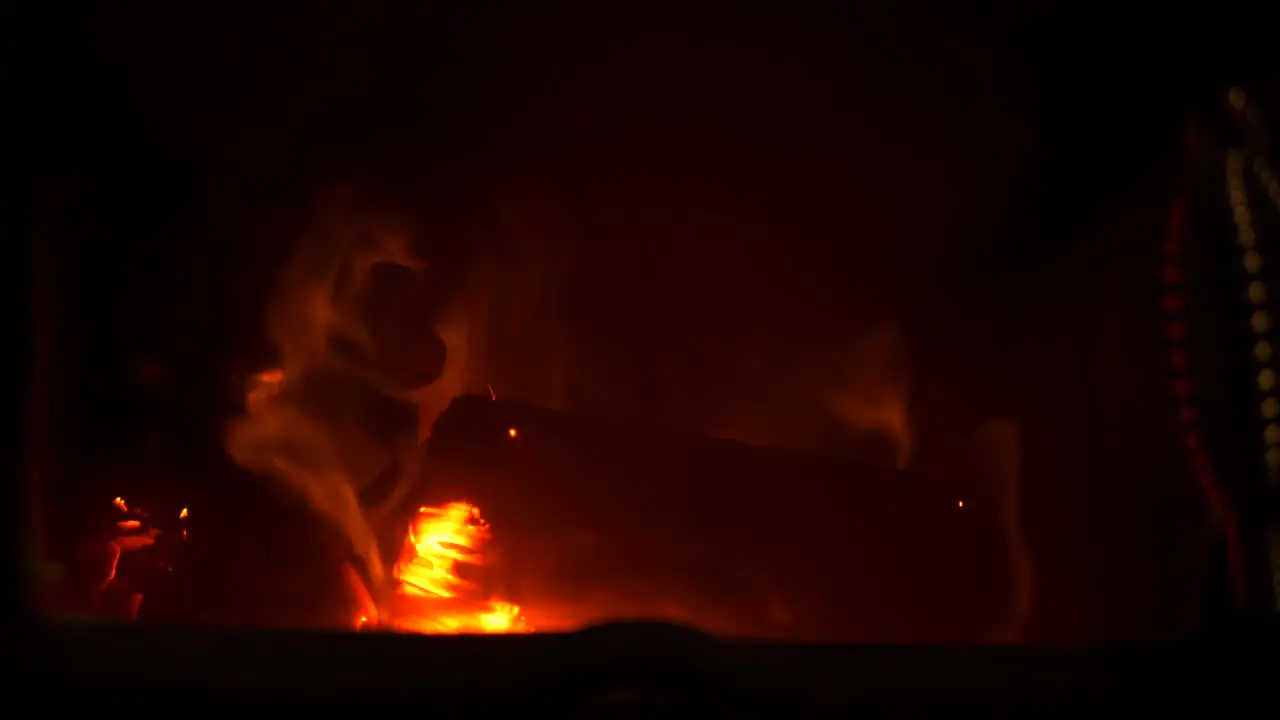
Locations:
263 386
435 597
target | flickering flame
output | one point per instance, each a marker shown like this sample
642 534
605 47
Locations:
262 386
133 535
436 598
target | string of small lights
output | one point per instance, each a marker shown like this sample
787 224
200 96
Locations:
1271 186
1176 332
1257 293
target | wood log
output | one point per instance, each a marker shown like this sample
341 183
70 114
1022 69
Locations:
596 521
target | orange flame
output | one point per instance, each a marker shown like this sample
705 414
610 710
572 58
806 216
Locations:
119 502
262 387
436 598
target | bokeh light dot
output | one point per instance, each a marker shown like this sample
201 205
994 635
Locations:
1260 321
1270 408
1266 379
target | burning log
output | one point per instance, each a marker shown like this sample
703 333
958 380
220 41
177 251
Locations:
117 564
597 521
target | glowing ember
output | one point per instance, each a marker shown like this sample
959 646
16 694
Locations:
262 387
434 597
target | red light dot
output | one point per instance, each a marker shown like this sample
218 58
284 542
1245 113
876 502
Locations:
1200 462
1182 387
1180 359
1186 414
1177 218
1176 331
1173 302
1172 274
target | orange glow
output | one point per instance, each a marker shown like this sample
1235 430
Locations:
433 596
119 502
182 515
263 386
511 432
959 503
129 524
366 610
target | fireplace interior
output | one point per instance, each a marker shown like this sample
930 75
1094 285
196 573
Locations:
703 323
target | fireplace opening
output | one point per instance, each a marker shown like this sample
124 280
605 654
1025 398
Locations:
726 334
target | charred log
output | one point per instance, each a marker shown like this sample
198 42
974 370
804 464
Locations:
596 521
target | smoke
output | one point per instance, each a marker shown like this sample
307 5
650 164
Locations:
871 395
323 423
998 450
330 422
852 402
503 331
327 422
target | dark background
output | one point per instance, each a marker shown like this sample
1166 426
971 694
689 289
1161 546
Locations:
992 180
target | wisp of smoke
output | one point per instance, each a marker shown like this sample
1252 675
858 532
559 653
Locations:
308 433
871 397
999 455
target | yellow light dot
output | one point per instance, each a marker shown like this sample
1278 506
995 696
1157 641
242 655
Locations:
959 503
1260 321
1262 351
1236 97
1271 434
1257 292
1252 262
1273 457
1270 408
1266 379
511 432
